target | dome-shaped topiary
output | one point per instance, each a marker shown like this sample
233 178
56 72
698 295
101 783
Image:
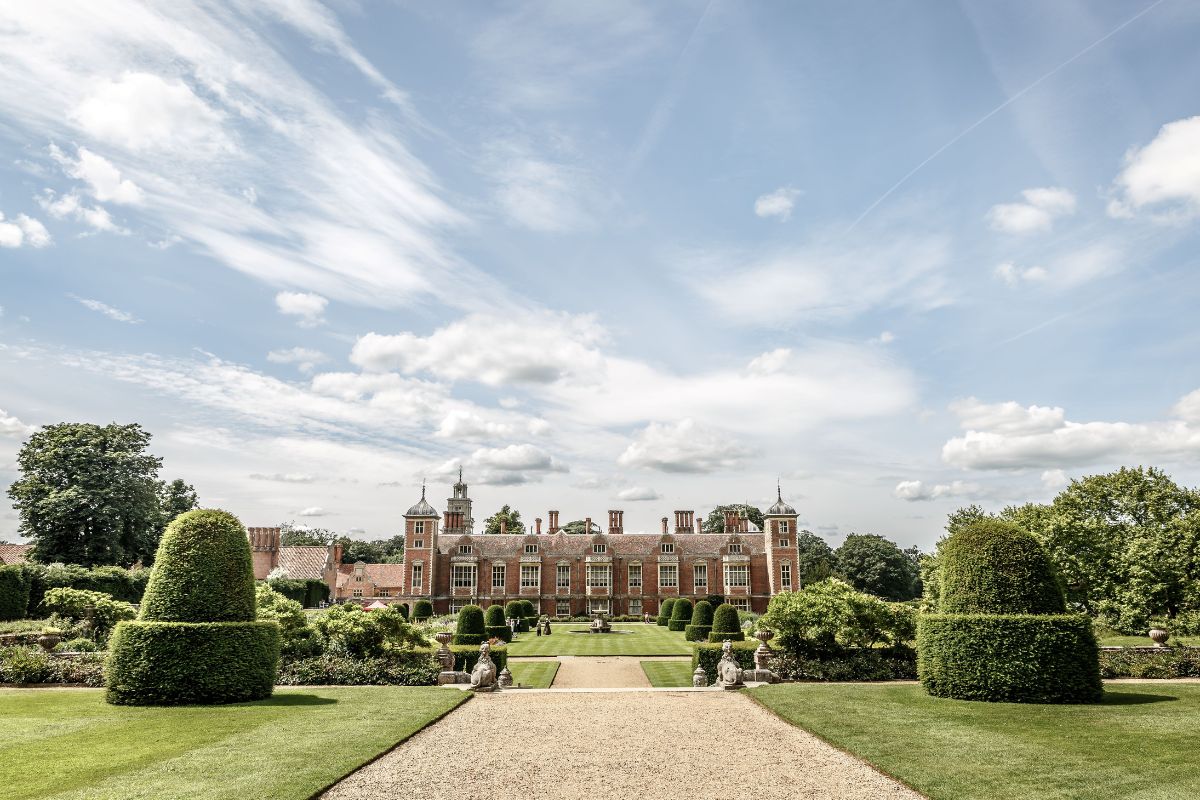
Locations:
513 609
527 609
664 611
197 639
726 625
470 628
422 609
681 614
702 614
494 615
995 567
202 572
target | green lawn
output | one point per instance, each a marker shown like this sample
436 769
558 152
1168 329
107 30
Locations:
1144 641
68 743
645 640
533 674
1141 742
668 674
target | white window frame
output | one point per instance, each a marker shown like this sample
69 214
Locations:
383 592
457 606
465 549
599 605
531 549
671 570
785 575
700 576
666 548
737 575
418 527
783 526
599 548
464 576
785 542
418 543
562 608
559 571
735 548
635 606
418 575
357 593
599 576
635 576
531 582
740 603
499 570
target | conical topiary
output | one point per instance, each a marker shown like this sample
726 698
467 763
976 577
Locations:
726 625
664 611
700 626
1002 634
495 624
197 639
681 614
470 628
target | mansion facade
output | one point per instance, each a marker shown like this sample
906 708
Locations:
609 572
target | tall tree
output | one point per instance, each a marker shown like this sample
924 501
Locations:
511 517
715 521
816 558
89 494
293 535
174 498
377 551
873 564
577 526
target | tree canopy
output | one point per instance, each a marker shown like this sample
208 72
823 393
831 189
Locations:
816 558
90 494
512 519
873 564
376 551
715 521
577 526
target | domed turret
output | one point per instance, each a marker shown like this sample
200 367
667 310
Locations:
780 509
422 508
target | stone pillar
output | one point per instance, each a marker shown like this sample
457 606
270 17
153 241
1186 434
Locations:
699 528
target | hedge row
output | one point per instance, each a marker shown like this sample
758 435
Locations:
707 656
309 593
1016 658
664 611
1172 662
123 584
14 593
726 625
402 668
857 664
23 665
422 610
696 633
501 632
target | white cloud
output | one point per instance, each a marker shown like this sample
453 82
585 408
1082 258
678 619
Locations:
143 111
536 349
288 477
465 424
821 282
107 310
307 306
1013 275
1164 173
1055 479
778 203
1007 436
70 206
913 491
304 358
540 192
505 466
11 426
885 337
1038 213
684 447
638 493
23 230
313 511
100 175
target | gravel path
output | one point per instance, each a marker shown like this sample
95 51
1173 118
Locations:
617 672
649 746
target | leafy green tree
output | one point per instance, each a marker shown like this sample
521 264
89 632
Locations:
873 564
816 558
377 551
512 519
293 535
90 494
829 615
174 498
715 521
577 526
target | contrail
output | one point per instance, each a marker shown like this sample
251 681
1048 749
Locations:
1000 108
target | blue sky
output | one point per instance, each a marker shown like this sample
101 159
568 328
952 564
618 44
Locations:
902 256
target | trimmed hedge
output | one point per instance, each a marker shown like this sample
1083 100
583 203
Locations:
399 668
495 616
1163 662
123 584
308 593
702 614
202 572
422 610
681 615
465 656
664 611
707 656
726 625
501 632
471 629
996 567
181 663
1013 658
852 664
696 633
14 593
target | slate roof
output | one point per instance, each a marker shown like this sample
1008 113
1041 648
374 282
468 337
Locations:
384 575
687 545
304 562
14 553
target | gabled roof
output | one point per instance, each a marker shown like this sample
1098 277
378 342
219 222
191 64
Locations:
304 562
497 546
14 553
385 575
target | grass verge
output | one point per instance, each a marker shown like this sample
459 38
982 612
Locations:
668 674
638 639
70 744
1139 743
533 674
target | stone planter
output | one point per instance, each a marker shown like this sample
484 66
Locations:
1159 637
49 641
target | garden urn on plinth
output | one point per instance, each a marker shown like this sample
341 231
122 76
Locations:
1159 637
49 641
700 678
505 679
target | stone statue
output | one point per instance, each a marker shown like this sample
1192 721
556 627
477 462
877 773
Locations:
483 677
729 674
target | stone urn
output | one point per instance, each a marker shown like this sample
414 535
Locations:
1159 637
49 641
444 656
700 678
764 635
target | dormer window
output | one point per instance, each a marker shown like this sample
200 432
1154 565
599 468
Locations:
531 549
599 548
667 547
464 549
735 548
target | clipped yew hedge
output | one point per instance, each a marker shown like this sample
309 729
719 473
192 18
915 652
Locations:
197 639
707 656
726 625
664 611
1143 662
14 593
1009 658
471 629
495 624
997 567
681 614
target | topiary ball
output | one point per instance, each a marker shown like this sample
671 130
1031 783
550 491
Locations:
702 614
996 567
725 620
422 609
527 609
202 571
494 615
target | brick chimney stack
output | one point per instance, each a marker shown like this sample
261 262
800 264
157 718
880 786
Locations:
538 521
699 527
503 525
684 521
553 521
616 522
664 525
587 525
